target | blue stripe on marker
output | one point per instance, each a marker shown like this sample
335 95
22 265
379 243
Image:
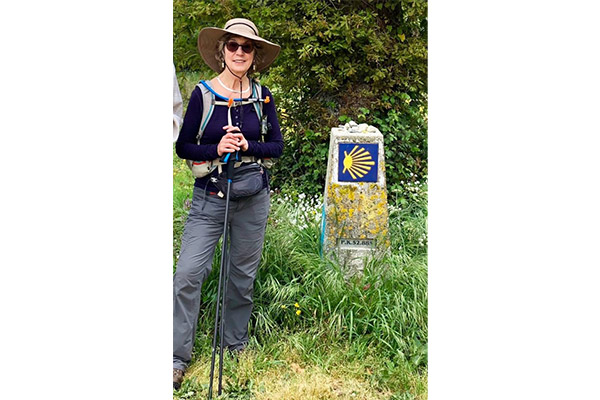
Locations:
322 232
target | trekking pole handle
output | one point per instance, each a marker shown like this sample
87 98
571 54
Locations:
230 161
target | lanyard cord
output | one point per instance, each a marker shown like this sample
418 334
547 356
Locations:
241 120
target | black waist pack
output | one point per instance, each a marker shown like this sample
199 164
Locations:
247 181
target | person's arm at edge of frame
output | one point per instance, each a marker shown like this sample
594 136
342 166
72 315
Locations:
177 106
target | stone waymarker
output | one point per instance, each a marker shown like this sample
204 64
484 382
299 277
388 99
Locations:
355 222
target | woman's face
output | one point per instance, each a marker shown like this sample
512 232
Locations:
238 60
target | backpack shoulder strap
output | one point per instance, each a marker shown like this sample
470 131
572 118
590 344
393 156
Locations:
208 106
257 93
258 106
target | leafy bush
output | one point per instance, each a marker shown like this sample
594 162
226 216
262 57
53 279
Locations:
340 60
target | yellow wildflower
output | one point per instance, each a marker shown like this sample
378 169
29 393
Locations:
297 305
298 312
283 306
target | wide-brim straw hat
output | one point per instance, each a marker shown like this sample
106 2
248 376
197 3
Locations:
209 37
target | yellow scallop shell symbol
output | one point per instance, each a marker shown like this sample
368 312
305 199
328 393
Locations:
358 163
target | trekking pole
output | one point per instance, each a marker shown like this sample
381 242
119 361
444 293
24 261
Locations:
230 166
223 279
221 333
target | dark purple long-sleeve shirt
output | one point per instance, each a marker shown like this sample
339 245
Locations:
245 117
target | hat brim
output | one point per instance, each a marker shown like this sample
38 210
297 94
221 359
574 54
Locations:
208 42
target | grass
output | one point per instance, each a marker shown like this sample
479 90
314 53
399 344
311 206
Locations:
281 371
314 333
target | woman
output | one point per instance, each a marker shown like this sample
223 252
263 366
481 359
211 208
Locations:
233 52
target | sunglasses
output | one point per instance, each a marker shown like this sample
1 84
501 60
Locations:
234 46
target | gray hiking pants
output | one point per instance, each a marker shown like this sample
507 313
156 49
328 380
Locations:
203 228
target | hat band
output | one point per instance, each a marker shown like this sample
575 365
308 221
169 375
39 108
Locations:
242 23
